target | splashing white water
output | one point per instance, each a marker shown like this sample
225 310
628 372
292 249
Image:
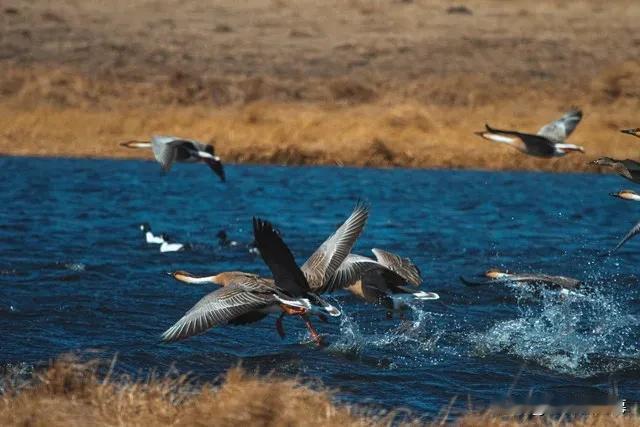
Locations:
580 334
410 341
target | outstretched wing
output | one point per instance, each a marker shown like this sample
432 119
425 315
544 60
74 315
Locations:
534 145
349 272
216 165
166 149
207 153
559 130
230 304
325 261
279 259
631 234
401 266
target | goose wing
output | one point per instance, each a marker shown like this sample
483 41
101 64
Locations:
559 130
275 253
322 265
165 149
216 166
631 234
207 153
220 307
403 267
350 271
535 145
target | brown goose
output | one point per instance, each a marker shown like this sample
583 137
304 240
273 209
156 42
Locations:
263 296
627 195
548 142
630 235
629 169
169 149
496 276
389 280
244 298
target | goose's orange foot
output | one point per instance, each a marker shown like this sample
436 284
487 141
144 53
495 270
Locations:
315 336
293 310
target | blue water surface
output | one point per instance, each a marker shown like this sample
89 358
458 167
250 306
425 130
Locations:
76 275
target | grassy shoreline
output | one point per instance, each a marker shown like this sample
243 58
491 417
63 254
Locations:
69 392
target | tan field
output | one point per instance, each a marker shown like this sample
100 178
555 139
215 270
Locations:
354 82
70 393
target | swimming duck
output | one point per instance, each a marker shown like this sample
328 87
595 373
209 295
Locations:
495 275
627 195
169 149
223 239
289 292
389 280
548 142
634 132
167 246
149 236
629 169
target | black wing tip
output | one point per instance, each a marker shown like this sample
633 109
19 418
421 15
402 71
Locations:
263 230
261 225
573 110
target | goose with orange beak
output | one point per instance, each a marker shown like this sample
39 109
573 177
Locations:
548 142
627 195
627 168
170 149
388 280
497 276
246 298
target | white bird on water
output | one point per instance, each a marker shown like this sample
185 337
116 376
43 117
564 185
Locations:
149 236
167 246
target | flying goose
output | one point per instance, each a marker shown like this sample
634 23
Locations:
286 296
627 195
389 280
629 169
496 276
243 298
634 132
548 142
169 149
630 235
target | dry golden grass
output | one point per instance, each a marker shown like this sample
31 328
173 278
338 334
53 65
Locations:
360 82
386 132
71 393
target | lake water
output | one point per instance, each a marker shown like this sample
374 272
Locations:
76 275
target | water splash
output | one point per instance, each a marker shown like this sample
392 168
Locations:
411 341
579 334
